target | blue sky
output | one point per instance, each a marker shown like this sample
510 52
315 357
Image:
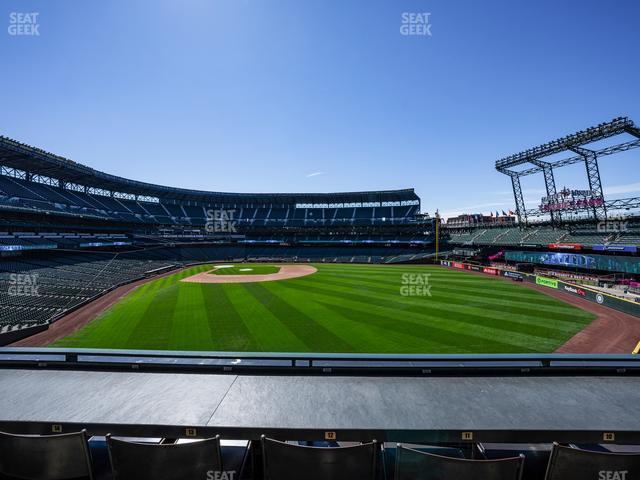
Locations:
317 96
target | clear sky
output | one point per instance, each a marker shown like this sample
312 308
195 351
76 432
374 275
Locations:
321 96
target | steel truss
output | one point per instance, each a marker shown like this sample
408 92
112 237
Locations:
609 206
572 143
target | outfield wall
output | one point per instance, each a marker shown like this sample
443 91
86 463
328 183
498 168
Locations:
601 298
8 338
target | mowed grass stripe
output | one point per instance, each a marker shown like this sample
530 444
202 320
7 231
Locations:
192 332
226 327
483 326
428 317
450 310
269 332
315 336
490 288
341 308
560 316
352 333
445 340
153 325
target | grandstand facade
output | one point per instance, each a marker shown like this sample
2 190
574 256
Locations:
44 191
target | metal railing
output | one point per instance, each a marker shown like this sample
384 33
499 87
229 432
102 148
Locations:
321 363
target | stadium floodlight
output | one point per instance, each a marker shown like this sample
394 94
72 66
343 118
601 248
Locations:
569 143
604 130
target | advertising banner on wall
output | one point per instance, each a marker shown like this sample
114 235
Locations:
513 275
565 246
547 282
616 248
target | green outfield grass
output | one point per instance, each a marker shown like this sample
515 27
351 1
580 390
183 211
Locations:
340 308
246 270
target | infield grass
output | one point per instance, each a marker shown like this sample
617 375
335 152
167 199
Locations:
340 308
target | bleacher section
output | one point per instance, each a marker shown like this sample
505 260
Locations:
35 290
17 194
541 236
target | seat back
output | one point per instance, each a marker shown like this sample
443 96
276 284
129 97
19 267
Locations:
45 457
142 461
283 461
415 465
568 463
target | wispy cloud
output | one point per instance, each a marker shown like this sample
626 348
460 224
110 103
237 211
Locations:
315 174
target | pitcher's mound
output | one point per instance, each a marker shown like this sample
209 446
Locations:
286 272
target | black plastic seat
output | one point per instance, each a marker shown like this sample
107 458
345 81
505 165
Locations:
283 461
567 463
45 457
415 465
145 461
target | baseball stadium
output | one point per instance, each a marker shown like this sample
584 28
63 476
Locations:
102 272
90 260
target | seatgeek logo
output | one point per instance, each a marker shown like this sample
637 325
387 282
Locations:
221 221
415 285
612 474
416 24
24 24
221 475
23 285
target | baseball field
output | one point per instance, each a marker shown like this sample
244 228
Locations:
339 308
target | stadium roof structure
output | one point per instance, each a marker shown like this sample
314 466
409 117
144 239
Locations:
35 161
574 143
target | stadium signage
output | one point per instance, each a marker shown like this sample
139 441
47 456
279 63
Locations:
616 248
565 246
490 271
475 268
458 265
576 290
513 275
571 200
546 282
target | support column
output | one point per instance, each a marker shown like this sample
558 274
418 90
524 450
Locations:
550 185
521 211
593 175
